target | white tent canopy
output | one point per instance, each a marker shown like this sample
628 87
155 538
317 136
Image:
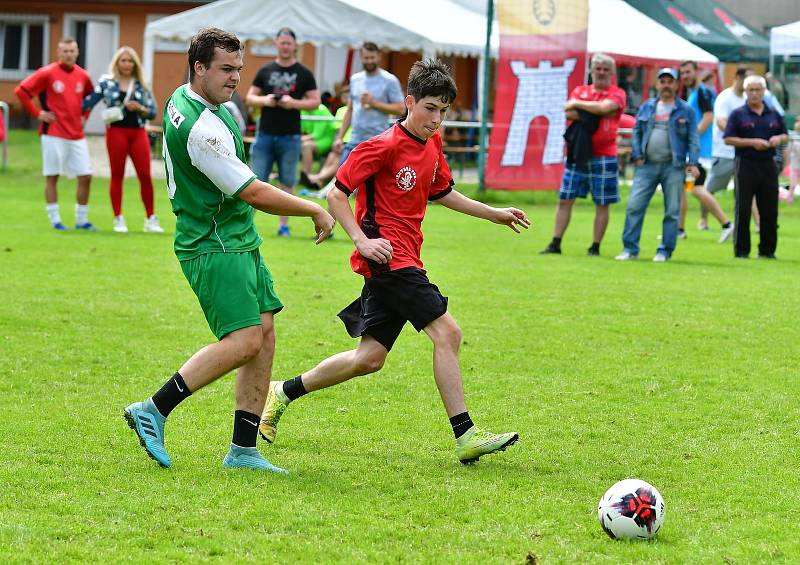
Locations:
617 28
414 26
785 40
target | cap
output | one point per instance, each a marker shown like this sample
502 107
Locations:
286 31
667 71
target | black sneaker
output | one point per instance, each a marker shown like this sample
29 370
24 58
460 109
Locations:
550 250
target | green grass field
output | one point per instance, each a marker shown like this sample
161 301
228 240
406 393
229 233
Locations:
683 374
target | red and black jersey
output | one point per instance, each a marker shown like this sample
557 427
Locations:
396 173
60 90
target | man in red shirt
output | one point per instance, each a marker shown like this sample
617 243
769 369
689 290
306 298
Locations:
396 174
602 100
61 87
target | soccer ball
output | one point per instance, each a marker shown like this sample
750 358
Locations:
631 509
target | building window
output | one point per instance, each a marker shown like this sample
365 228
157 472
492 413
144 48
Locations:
23 44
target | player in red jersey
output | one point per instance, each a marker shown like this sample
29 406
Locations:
61 87
396 174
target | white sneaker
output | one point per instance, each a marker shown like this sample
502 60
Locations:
660 258
725 234
151 225
626 256
119 224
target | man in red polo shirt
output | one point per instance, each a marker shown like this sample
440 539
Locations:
604 102
61 87
396 174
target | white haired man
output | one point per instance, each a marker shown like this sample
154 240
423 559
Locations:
604 102
756 130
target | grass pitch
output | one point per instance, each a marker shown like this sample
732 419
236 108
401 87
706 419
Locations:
683 374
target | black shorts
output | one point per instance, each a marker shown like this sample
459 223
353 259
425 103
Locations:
391 299
701 179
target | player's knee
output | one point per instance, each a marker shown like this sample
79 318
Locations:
448 336
367 363
249 342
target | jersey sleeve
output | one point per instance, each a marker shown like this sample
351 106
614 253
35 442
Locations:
442 183
705 100
215 161
35 83
618 96
260 81
362 163
395 91
309 82
732 127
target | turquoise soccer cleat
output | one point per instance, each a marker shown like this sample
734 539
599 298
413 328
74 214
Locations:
249 458
145 420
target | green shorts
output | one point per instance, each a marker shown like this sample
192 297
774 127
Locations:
233 289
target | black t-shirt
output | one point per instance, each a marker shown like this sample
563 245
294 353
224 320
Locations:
295 81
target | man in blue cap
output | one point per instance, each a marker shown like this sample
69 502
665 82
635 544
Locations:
665 149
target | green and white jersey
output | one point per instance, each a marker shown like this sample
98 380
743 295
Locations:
206 170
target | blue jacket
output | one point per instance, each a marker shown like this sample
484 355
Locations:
682 132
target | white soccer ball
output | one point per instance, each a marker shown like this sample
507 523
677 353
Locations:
631 509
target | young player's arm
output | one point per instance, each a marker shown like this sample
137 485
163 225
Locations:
378 250
267 198
511 217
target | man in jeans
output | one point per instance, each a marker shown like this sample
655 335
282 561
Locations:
664 136
281 89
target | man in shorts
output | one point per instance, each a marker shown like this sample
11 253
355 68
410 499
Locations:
396 174
606 103
213 194
281 89
61 87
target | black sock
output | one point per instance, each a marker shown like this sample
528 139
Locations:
171 394
293 388
245 428
461 423
726 225
595 246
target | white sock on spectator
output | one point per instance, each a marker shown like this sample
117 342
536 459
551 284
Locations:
81 214
53 214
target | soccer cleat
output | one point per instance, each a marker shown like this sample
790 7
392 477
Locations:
626 256
550 250
660 258
119 224
249 458
283 231
151 225
86 226
475 443
726 233
60 227
273 410
144 419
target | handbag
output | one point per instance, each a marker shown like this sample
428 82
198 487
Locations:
115 113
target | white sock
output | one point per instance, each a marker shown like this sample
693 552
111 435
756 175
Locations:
53 214
81 214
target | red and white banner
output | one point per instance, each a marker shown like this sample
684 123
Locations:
542 58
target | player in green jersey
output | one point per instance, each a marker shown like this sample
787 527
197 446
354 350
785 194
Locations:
213 194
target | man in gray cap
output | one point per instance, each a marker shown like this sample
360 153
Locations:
665 149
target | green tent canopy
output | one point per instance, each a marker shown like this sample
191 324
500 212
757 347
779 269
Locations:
709 26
